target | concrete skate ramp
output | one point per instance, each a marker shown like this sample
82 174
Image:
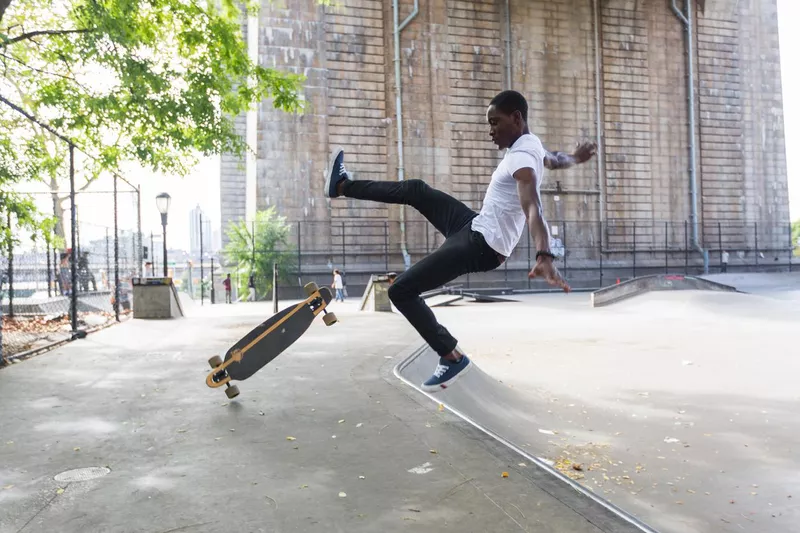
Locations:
659 282
156 298
505 415
778 285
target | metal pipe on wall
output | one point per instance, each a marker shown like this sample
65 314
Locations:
398 27
508 44
688 23
598 97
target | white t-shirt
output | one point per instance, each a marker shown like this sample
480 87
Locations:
337 281
501 219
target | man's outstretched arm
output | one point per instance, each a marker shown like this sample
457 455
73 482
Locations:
532 206
561 160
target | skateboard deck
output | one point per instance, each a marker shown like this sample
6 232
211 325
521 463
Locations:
269 339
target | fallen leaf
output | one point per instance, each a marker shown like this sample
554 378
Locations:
303 486
232 430
217 438
10 442
505 474
359 425
8 487
77 449
434 451
182 430
362 477
261 413
341 421
290 438
342 495
579 467
441 407
546 432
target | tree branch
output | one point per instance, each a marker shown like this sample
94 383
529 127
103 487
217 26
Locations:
32 34
41 71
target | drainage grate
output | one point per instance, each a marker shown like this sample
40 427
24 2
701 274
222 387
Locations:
83 474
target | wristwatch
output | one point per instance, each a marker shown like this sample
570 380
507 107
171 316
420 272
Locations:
542 253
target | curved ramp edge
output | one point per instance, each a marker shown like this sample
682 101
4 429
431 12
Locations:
481 401
657 282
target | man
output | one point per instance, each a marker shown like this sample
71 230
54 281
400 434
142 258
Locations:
474 242
338 285
227 284
251 287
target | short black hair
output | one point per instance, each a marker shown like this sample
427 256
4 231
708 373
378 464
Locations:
510 101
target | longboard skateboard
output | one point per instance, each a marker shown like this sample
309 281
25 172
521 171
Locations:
269 339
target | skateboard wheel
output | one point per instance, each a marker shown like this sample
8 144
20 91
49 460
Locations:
215 361
232 391
311 288
330 319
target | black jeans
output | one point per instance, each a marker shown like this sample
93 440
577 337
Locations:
463 251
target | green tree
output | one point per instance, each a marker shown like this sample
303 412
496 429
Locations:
254 246
153 82
796 237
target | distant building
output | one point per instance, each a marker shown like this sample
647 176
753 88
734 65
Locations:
194 232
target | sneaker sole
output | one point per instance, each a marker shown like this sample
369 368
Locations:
442 386
330 172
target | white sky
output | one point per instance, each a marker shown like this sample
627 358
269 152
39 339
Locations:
201 187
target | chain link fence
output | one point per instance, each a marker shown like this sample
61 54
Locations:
590 255
39 293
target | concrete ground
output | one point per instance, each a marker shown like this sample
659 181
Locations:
323 439
679 407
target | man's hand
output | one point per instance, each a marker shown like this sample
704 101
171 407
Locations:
559 160
546 270
584 152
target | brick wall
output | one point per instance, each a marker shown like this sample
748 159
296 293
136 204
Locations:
453 61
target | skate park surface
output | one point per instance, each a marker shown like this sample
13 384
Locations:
677 407
323 439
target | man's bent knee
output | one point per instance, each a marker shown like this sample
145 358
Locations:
397 292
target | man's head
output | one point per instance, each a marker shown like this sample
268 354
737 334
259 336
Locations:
507 116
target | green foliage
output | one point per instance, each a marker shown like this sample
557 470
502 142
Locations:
16 167
154 82
255 246
796 237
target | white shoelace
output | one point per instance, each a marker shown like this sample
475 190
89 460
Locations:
440 370
342 171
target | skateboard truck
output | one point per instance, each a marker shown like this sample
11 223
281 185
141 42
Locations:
231 391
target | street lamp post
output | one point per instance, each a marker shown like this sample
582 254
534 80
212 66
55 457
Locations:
162 203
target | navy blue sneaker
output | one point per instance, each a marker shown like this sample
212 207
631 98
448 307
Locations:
446 373
336 173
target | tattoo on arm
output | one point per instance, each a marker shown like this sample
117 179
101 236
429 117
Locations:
558 160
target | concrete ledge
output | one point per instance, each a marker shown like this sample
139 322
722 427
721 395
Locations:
659 282
155 298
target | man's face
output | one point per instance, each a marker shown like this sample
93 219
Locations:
503 129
